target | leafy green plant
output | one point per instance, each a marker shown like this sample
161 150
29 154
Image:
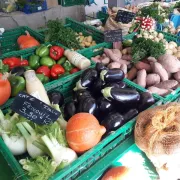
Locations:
64 35
155 11
142 48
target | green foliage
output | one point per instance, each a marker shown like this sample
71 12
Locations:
64 35
142 48
155 11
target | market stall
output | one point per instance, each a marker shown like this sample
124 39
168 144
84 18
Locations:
94 99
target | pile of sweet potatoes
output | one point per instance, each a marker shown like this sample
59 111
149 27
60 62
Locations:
115 58
159 76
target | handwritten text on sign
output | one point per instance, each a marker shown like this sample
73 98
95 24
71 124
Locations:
124 16
113 35
34 109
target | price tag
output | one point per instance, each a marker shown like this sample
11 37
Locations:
34 109
113 35
124 16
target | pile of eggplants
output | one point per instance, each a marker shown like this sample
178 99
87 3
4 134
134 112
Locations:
102 92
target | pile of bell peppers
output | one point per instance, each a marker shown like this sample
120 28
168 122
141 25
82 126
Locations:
48 62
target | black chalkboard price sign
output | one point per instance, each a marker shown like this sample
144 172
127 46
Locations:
113 35
124 16
34 109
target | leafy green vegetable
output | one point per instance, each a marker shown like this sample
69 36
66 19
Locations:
155 11
142 48
64 35
40 168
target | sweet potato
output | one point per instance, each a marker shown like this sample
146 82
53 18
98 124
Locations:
142 65
152 79
95 59
152 59
161 92
141 78
113 54
127 57
105 60
177 76
124 68
117 45
114 65
132 73
169 84
121 61
170 63
158 69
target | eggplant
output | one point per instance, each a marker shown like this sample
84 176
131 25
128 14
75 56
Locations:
104 106
116 85
87 79
56 97
69 110
18 71
80 95
113 121
99 67
112 75
123 96
97 87
146 100
88 104
130 114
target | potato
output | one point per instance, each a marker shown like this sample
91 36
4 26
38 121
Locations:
169 84
177 76
132 73
158 69
93 43
161 92
124 68
141 78
152 79
124 51
89 39
152 59
81 34
121 61
87 44
95 59
114 65
114 55
141 65
170 63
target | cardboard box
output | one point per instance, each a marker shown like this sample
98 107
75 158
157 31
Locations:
52 3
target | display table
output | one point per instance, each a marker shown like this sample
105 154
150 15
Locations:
37 20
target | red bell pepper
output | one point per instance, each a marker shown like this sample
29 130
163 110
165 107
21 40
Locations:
44 70
74 70
56 52
57 70
24 62
12 62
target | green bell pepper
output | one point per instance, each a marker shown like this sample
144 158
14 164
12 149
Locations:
27 68
18 84
64 75
46 61
34 61
46 79
62 60
41 77
42 51
67 66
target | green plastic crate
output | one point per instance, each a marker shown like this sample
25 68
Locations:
48 86
85 161
102 15
71 2
8 41
124 153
